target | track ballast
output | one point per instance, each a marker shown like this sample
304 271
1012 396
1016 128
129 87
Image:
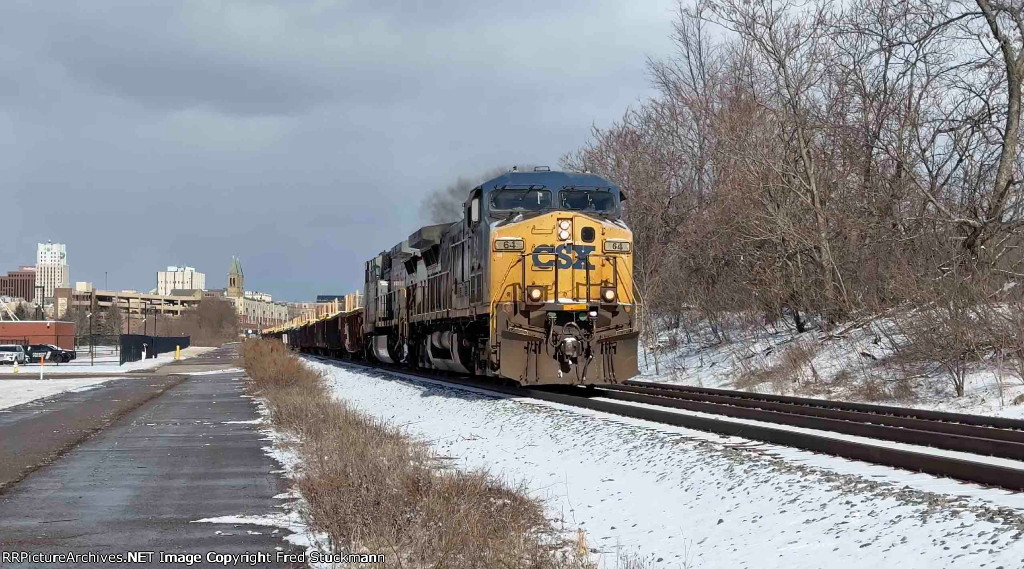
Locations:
996 437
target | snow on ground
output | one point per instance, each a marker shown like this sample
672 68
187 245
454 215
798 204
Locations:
106 364
217 371
17 391
682 498
858 363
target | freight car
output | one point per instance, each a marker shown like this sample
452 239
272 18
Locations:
534 284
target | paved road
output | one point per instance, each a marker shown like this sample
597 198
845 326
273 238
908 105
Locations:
138 483
34 433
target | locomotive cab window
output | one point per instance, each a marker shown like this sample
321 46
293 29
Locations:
602 201
474 210
521 199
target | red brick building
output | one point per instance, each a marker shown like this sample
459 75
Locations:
38 332
19 284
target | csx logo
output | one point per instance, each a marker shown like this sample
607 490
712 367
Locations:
566 256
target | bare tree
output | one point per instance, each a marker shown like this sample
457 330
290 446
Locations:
113 321
212 323
806 161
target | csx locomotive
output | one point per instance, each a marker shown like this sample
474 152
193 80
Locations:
534 284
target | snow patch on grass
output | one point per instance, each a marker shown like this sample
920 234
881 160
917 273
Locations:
860 361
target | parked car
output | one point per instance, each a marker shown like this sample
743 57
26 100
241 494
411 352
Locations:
11 353
50 352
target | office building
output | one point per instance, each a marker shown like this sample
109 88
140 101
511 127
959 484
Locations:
179 278
19 284
51 270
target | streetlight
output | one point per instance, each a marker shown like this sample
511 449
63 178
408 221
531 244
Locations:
92 343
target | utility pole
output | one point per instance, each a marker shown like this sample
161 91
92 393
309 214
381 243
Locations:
92 343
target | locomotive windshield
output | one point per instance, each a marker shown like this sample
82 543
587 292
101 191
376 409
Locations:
521 199
588 200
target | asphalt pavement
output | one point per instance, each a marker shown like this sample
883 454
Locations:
182 450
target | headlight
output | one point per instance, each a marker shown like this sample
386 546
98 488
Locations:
563 235
509 244
535 293
608 294
564 224
617 246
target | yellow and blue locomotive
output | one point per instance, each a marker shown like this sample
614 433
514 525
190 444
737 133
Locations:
534 284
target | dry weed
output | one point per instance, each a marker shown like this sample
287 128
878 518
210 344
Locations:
373 489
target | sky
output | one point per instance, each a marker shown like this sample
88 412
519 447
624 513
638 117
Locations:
299 135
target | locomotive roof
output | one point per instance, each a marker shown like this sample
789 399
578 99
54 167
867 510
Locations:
550 180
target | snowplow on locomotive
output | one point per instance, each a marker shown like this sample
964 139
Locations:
534 284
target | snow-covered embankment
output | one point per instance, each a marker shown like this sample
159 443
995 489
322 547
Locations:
682 498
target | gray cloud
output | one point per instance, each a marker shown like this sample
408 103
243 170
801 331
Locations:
299 135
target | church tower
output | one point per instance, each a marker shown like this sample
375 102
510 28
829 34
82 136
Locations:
236 279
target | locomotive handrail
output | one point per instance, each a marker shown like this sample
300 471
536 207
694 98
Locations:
631 288
495 299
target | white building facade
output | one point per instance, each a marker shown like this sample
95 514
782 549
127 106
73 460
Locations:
51 270
179 278
255 314
260 296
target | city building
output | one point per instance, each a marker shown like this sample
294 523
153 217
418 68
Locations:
256 295
236 279
296 309
179 278
256 314
322 298
255 310
19 284
38 332
128 301
51 270
188 292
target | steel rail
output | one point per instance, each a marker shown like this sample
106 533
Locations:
969 430
963 418
866 425
935 464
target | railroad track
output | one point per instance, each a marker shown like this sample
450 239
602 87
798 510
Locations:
982 445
